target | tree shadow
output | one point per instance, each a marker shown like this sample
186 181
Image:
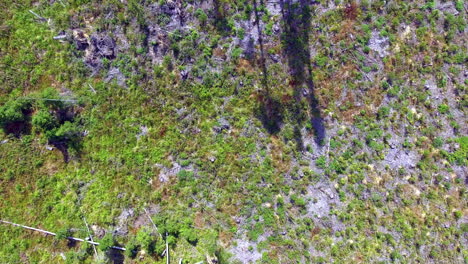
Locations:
296 24
71 243
115 256
270 110
269 113
220 13
295 38
19 128
62 146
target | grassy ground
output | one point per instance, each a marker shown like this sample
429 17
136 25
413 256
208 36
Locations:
340 136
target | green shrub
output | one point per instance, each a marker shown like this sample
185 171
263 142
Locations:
459 5
50 98
385 85
68 132
146 240
13 111
393 91
460 156
383 112
374 134
376 146
437 142
44 121
321 60
457 214
201 15
321 162
189 234
185 175
338 165
63 234
106 242
131 248
300 202
443 108
236 53
394 256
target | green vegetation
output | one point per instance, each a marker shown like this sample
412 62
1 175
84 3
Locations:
335 134
106 242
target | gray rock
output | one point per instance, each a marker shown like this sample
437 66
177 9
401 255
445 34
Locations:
223 125
98 231
246 251
165 172
169 9
276 28
80 39
114 73
248 44
184 74
103 46
143 131
275 57
379 44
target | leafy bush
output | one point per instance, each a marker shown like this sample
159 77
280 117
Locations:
13 111
146 240
383 112
50 98
459 5
106 242
189 234
443 108
236 53
68 132
460 156
385 85
374 134
201 15
131 248
437 142
185 175
44 121
300 202
321 60
321 162
63 234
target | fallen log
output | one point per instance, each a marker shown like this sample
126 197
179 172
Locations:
54 234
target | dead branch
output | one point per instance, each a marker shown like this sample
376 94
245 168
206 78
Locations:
90 235
54 234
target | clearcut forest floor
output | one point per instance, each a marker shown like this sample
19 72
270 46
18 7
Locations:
250 131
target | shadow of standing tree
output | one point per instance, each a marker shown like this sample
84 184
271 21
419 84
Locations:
296 23
295 38
270 111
